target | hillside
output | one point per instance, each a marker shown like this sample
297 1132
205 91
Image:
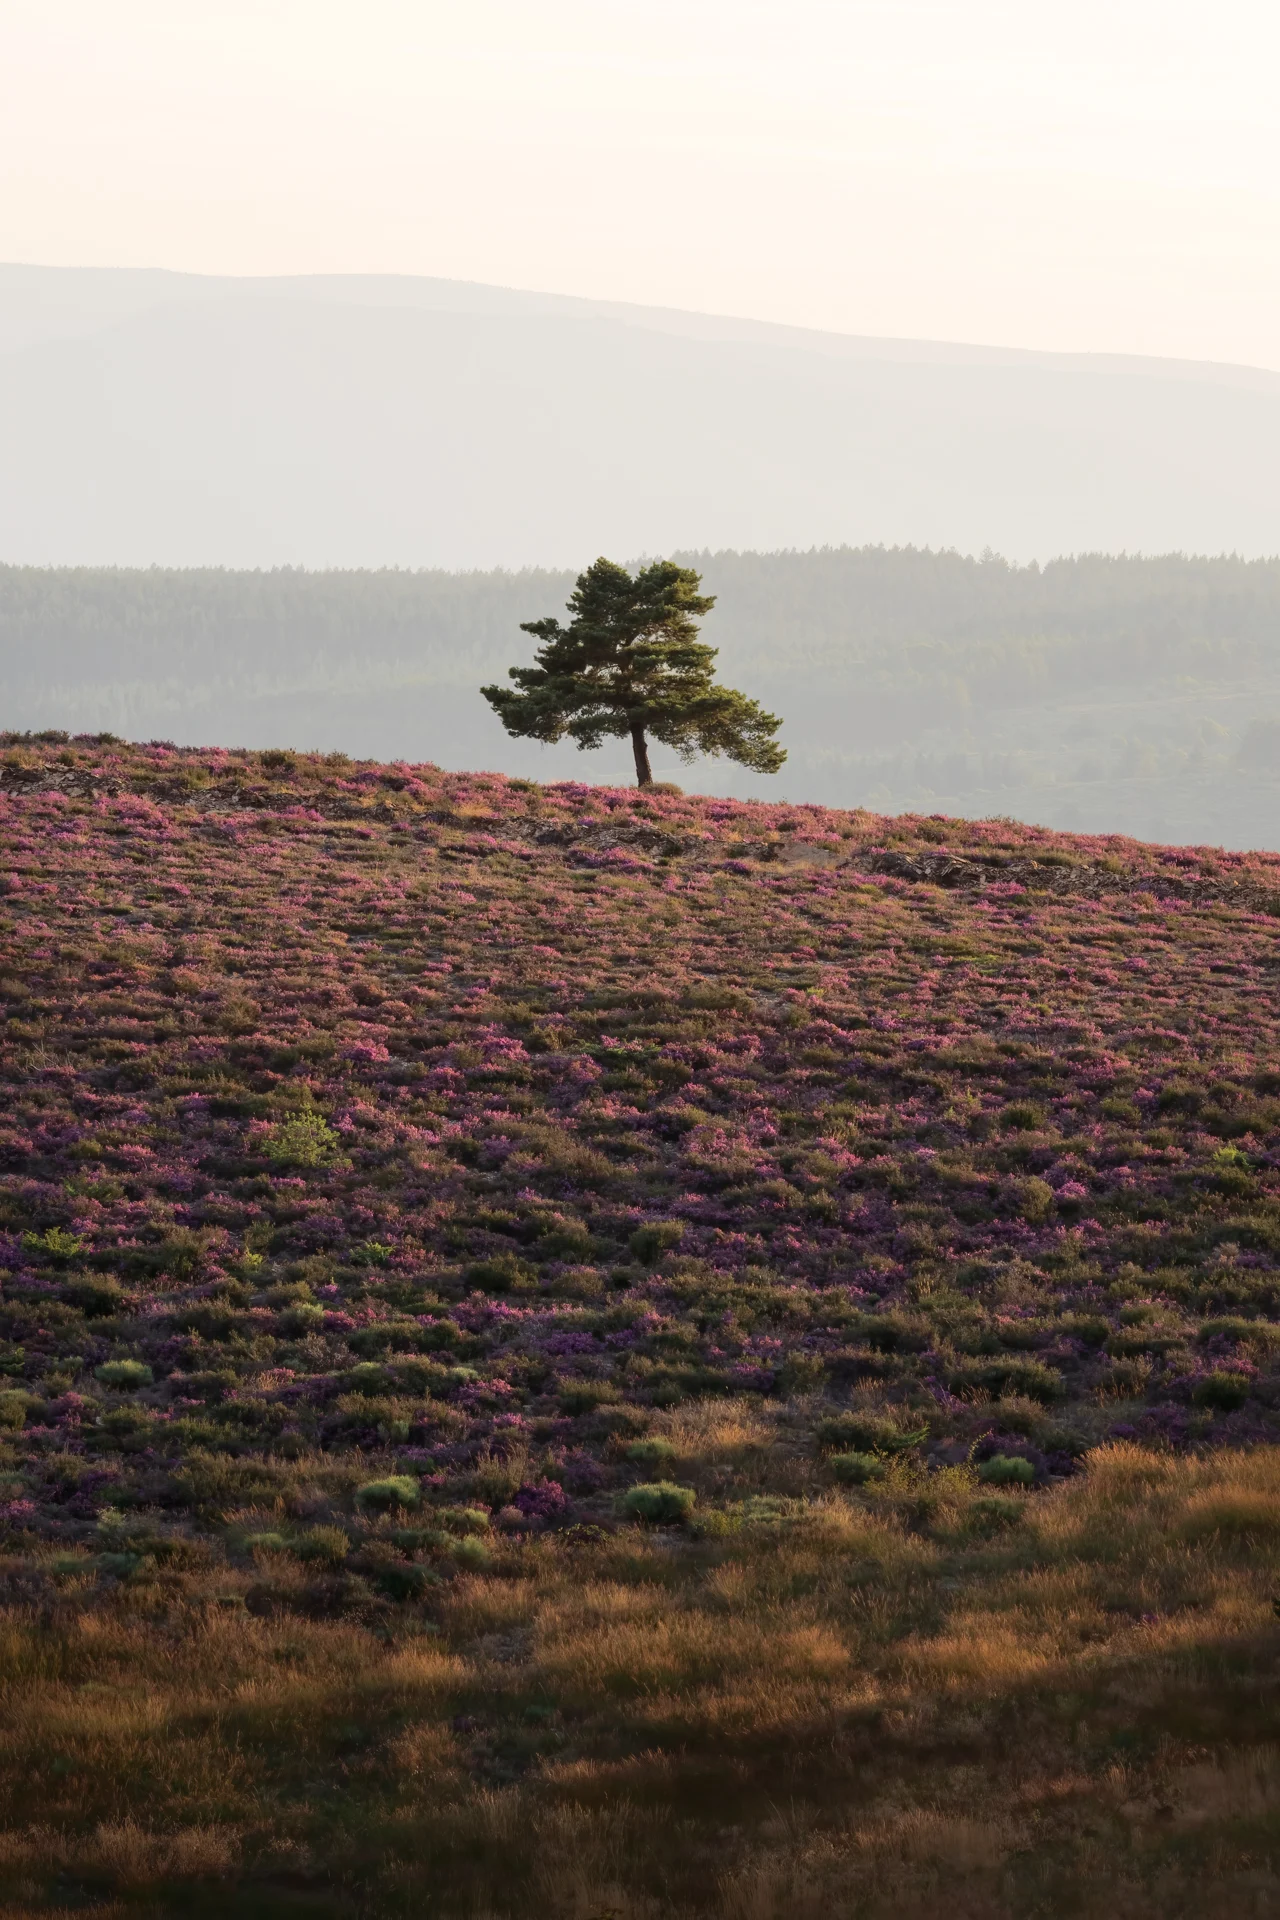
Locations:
1103 692
365 421
579 1352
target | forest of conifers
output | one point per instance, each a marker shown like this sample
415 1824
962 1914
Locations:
1122 692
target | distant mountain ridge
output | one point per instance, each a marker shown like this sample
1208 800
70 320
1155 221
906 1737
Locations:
45 303
346 421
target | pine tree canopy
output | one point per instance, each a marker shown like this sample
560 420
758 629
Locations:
629 664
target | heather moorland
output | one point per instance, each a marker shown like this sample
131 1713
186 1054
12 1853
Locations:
597 1352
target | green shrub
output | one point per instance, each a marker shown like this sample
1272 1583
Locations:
123 1373
891 1332
121 1566
372 1253
404 1582
380 1496
501 1274
465 1520
303 1140
654 1452
55 1244
301 1319
867 1433
265 1543
586 1396
15 1405
855 1469
279 760
1029 1378
474 1555
329 1545
1239 1329
659 1502
649 1243
421 1378
1033 1199
800 1373
1007 1470
1223 1392
96 1295
368 1378
994 1511
419 1539
1089 1328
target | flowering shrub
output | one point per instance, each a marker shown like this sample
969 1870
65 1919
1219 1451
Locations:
456 1133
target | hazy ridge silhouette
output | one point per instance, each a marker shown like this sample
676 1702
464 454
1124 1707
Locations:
154 418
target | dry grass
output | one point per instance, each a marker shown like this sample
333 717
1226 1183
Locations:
853 1706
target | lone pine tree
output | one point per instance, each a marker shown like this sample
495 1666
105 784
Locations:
629 664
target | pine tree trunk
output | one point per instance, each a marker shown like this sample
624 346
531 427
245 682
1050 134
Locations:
640 748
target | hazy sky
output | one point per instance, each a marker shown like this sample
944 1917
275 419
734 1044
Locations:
1098 174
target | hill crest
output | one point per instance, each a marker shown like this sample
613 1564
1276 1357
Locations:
504 1287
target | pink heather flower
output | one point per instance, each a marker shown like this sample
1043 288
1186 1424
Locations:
541 1500
366 1053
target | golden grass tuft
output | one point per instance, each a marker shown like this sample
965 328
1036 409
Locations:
851 1703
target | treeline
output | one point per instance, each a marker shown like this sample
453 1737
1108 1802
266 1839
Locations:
905 677
908 615
121 623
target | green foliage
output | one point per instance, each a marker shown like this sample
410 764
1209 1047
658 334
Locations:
303 1140
123 1373
380 1496
628 665
994 1512
464 1520
303 1318
654 1452
1030 1378
1265 1332
855 1469
1221 1391
659 1503
649 1243
866 1433
372 1253
475 1556
327 1545
97 1295
1007 1470
402 1582
54 1244
585 1396
368 1378
501 1274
